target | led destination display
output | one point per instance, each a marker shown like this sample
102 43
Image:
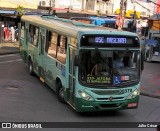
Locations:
109 41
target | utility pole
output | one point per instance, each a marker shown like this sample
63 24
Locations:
123 5
134 17
50 7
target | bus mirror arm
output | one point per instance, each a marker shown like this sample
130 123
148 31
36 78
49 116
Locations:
76 60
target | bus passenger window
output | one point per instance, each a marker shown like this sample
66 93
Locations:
52 49
31 34
36 34
61 53
22 29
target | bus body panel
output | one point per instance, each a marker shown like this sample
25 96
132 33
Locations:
53 71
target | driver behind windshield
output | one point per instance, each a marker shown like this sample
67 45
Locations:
100 67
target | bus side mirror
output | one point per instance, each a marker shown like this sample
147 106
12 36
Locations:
76 60
142 61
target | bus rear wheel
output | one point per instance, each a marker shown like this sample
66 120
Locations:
31 68
60 93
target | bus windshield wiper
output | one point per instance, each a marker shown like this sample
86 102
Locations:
105 59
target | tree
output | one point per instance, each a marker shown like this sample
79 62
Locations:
20 11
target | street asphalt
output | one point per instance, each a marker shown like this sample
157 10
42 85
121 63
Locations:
150 79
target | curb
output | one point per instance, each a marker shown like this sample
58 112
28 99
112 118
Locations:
6 53
150 95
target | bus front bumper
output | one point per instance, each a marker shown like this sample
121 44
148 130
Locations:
91 106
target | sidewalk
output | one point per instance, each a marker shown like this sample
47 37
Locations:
150 79
9 48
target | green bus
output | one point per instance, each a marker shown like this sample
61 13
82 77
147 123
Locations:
89 67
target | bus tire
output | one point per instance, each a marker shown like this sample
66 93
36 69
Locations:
60 92
31 68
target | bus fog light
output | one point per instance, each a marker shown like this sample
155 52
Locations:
85 96
134 94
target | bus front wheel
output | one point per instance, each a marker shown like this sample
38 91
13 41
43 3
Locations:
31 67
60 92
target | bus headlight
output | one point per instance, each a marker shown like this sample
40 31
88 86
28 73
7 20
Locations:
134 94
85 96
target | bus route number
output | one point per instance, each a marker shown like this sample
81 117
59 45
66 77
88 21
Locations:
123 91
99 39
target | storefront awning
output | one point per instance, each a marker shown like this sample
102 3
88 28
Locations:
11 12
155 17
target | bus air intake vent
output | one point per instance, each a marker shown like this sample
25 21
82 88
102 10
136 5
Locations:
89 25
106 92
77 23
66 20
49 16
60 19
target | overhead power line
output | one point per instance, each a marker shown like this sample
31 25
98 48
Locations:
153 2
145 7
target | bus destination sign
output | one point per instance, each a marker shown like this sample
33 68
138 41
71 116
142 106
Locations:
110 40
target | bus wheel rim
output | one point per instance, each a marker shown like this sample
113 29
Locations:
30 68
61 93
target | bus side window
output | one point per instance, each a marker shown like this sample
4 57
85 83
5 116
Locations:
48 38
61 53
22 29
52 44
31 34
36 35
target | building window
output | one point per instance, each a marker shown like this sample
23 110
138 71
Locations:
90 4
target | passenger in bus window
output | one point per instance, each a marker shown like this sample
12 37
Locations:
118 61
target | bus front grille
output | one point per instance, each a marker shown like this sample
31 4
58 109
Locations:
109 105
107 99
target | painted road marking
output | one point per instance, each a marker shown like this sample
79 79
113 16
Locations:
4 62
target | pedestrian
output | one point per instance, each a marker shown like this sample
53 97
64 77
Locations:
125 25
6 33
12 34
16 34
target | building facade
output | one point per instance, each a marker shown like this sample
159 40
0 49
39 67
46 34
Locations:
144 8
30 4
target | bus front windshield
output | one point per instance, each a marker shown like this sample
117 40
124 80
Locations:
111 68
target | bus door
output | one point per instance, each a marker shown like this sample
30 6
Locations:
33 46
42 42
23 43
72 78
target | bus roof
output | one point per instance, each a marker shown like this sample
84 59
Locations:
71 27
